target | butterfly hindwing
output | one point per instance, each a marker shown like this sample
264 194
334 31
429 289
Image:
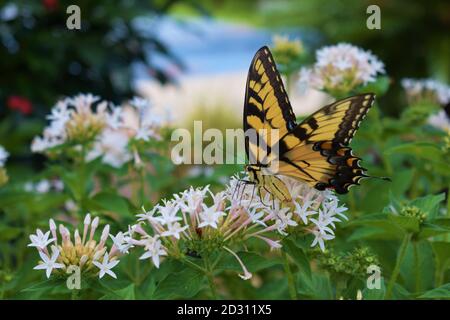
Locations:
317 151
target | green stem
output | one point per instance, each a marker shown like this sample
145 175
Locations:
195 266
209 274
290 276
446 237
75 294
398 263
417 267
212 285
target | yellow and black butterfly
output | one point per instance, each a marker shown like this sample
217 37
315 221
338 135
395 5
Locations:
315 151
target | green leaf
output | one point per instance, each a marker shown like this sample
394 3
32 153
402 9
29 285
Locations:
9 233
428 230
253 262
379 86
298 255
126 293
417 272
429 204
422 150
375 294
183 284
316 286
409 224
376 226
443 292
43 285
110 202
441 251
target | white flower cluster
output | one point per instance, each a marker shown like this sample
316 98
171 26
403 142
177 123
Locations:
316 211
3 156
341 68
200 221
109 129
426 89
440 120
197 221
44 186
82 250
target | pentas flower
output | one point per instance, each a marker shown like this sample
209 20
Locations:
93 128
3 156
341 68
440 120
91 256
44 186
285 50
77 120
3 174
199 222
141 121
312 211
426 90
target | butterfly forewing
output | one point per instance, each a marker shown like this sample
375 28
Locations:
266 107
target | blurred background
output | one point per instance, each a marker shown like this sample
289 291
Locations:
191 57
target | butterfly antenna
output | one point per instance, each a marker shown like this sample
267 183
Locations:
381 178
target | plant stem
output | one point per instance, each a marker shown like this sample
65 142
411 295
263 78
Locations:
398 263
195 266
74 295
210 276
290 276
417 267
446 237
212 285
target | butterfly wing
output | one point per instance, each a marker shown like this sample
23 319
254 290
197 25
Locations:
317 151
266 106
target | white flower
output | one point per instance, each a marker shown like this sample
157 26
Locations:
49 263
428 89
247 275
168 213
43 186
154 250
320 237
3 156
40 240
106 266
121 241
283 218
210 217
140 103
112 146
303 210
144 133
174 229
341 67
114 119
440 121
190 200
147 215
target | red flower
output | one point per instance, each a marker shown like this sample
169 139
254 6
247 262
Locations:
50 5
23 105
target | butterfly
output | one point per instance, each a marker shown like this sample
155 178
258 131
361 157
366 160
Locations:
315 150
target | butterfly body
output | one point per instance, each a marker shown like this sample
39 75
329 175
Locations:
315 151
268 183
